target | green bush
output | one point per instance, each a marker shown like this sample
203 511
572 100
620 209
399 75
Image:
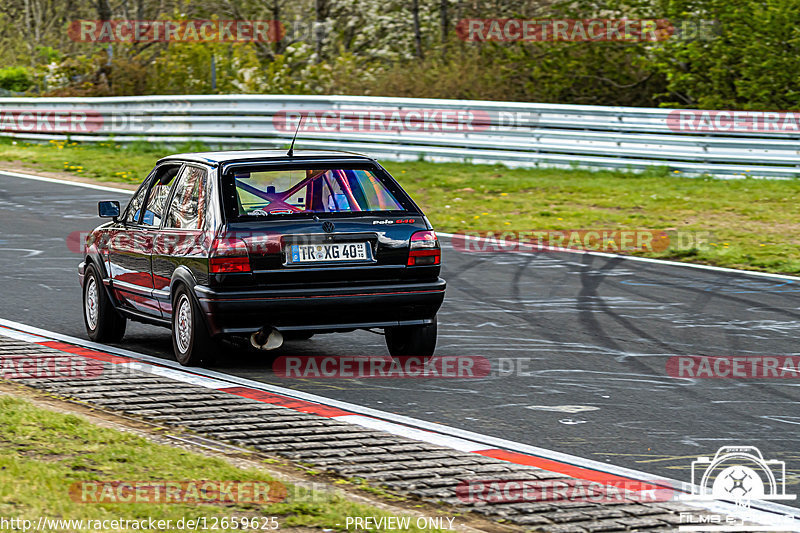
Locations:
751 63
15 79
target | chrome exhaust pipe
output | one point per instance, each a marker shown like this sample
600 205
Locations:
267 338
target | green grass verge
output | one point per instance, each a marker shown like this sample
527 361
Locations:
43 453
750 223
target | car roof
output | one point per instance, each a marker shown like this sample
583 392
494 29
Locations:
232 156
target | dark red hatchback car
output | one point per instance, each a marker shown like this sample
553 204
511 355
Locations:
264 245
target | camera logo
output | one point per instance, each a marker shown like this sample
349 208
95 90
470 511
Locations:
738 473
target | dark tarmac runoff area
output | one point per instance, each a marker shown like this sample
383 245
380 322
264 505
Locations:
579 345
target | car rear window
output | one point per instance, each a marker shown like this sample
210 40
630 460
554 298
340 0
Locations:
311 190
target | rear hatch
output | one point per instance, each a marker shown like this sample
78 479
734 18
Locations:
323 224
358 250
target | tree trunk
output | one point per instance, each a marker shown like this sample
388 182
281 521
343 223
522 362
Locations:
320 16
104 13
29 28
444 20
103 10
417 29
444 23
276 16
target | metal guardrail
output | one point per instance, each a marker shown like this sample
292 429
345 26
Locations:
511 133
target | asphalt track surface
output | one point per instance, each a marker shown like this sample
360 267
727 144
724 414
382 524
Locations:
578 344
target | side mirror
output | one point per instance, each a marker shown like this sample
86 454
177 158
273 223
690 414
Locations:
108 209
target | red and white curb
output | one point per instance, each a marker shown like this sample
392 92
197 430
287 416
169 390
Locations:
399 425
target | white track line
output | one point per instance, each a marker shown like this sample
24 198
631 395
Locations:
64 182
20 336
762 511
451 235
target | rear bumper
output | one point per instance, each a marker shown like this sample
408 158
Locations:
81 272
329 309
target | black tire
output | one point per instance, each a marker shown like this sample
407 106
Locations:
191 342
103 322
412 340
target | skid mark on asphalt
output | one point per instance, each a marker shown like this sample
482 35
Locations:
784 419
540 261
769 402
732 285
608 378
563 408
744 326
533 345
569 305
29 252
714 294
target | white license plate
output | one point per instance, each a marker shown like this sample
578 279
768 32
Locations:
324 253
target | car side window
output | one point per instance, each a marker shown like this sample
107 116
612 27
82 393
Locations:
157 198
187 210
134 206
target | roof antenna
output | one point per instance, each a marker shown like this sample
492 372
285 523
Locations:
290 153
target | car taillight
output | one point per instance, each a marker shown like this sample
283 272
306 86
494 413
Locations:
229 255
424 249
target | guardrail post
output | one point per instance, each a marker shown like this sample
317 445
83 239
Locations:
213 72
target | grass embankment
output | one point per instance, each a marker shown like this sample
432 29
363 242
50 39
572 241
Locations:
750 223
44 453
